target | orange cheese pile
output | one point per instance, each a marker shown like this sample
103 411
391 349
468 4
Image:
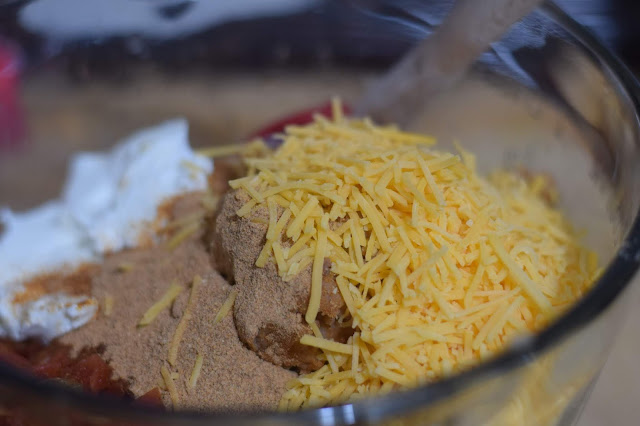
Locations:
439 268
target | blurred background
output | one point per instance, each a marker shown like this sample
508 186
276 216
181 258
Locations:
376 30
105 40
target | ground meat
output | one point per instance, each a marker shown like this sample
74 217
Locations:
269 312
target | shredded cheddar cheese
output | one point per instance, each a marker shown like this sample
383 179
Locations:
174 346
125 267
108 305
171 386
185 220
326 344
164 302
209 201
195 373
226 307
253 148
183 234
161 384
438 267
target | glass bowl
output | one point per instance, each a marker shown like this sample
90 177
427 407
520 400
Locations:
548 97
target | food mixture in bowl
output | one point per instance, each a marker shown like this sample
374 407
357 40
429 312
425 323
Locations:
336 260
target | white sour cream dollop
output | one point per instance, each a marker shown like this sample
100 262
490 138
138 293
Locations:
109 202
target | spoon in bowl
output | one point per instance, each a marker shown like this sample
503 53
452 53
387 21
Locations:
434 65
440 60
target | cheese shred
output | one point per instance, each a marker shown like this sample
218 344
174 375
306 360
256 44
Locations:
195 373
316 277
108 305
226 307
184 233
174 346
160 305
437 265
171 386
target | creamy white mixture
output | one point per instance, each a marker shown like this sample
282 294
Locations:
109 202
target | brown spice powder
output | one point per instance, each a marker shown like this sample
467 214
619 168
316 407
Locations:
232 377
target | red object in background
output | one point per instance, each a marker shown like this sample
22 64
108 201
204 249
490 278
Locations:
299 118
11 120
